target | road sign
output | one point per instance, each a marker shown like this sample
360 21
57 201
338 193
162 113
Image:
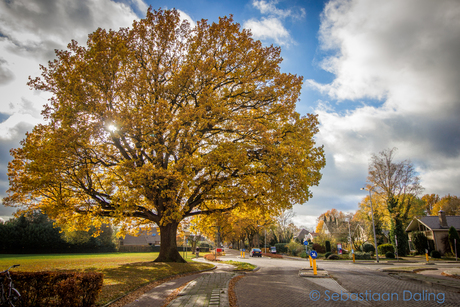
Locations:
313 254
305 242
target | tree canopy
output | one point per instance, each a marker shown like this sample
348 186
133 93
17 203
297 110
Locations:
163 121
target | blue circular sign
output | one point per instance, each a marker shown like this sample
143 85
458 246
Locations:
313 254
305 242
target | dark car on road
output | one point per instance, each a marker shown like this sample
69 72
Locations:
255 252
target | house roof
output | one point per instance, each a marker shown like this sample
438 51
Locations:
433 223
302 233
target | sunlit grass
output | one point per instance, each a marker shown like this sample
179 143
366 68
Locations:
123 272
241 266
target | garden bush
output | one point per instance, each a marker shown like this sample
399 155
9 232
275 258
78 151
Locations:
368 247
303 254
295 248
390 255
361 256
318 248
58 288
384 248
435 254
327 254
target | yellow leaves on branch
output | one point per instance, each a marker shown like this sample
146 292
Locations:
164 121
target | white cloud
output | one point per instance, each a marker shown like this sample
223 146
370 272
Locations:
404 54
141 5
269 8
304 220
269 28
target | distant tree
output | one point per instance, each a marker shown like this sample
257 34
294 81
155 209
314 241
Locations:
285 228
399 184
450 204
93 239
32 233
430 200
336 223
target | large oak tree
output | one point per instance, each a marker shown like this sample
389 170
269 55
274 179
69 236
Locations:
163 121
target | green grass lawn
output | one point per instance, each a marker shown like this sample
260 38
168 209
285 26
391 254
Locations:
123 272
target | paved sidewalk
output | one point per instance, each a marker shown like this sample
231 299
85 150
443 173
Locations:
210 289
204 289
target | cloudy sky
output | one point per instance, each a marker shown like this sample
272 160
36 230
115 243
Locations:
380 74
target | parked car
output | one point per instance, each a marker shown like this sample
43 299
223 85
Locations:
273 250
255 252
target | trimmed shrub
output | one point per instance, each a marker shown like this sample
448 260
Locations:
303 254
361 256
390 255
328 246
384 248
58 288
368 247
281 248
435 254
318 248
327 254
333 257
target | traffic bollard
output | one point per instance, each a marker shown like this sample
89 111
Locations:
309 257
314 267
353 258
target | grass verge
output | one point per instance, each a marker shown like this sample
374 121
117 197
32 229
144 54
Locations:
123 272
240 266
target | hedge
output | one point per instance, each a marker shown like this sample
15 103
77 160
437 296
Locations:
360 256
58 289
384 248
281 248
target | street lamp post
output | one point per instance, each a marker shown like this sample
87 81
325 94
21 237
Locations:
373 224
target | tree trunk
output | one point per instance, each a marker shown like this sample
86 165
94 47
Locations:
168 247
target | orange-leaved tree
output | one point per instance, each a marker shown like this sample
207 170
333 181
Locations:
163 121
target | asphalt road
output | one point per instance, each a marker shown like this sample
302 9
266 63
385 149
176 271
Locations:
278 283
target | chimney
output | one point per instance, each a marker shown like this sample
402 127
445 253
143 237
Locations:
442 219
